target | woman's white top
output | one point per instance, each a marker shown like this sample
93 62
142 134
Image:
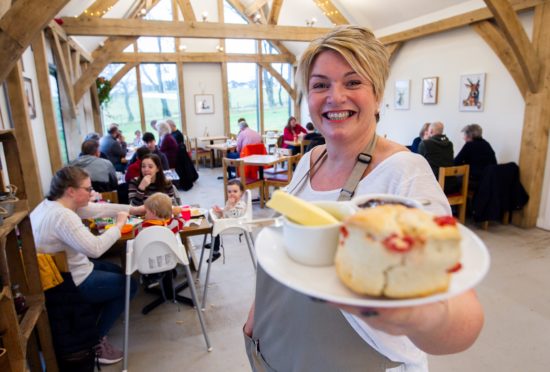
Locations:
57 228
404 174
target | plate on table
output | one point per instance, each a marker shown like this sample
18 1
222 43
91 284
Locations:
323 282
197 212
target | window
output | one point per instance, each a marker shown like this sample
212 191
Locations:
277 101
123 106
242 82
159 84
54 87
160 12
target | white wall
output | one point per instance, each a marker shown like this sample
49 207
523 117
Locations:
203 78
37 125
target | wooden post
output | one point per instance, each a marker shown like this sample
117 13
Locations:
23 132
181 89
43 80
96 110
140 97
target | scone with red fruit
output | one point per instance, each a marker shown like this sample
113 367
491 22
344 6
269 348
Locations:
397 252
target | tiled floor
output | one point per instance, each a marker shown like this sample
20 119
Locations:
515 295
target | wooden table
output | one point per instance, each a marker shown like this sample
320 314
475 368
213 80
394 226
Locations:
261 161
223 148
212 139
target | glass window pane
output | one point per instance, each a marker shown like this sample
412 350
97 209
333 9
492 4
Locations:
123 106
159 83
110 71
58 116
240 46
268 48
242 84
161 12
277 101
230 15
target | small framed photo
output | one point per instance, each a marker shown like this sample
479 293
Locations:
204 104
29 96
472 91
429 90
402 94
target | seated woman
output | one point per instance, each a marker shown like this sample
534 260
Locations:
57 227
292 131
476 152
421 136
151 180
167 143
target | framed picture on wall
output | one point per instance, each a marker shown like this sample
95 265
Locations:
429 90
402 94
29 96
204 104
472 91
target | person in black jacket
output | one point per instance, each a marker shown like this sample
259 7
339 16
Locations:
476 152
438 151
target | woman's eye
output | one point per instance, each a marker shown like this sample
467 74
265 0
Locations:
319 85
354 83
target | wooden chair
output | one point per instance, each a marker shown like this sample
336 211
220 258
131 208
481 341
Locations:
303 146
280 179
460 198
60 259
110 196
200 153
248 183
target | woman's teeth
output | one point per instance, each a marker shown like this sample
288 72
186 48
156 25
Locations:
341 115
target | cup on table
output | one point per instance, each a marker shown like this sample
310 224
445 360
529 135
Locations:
186 212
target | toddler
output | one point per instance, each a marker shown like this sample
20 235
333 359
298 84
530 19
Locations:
158 212
234 208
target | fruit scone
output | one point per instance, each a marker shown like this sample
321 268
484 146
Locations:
397 252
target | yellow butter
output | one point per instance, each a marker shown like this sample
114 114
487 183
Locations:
300 211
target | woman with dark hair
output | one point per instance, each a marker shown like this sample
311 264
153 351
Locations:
57 227
291 133
151 180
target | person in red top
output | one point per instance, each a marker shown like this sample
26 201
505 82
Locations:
292 131
134 169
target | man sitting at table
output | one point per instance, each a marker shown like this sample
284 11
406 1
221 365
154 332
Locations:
149 141
102 172
113 146
245 137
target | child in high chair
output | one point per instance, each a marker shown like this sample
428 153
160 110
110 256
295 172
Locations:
158 212
235 207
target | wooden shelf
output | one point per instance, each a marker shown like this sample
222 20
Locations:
21 211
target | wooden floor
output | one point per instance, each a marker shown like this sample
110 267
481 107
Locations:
515 295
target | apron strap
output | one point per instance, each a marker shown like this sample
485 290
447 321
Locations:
363 160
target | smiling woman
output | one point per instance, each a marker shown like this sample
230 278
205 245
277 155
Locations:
343 75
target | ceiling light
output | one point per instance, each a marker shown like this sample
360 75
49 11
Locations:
219 48
310 22
143 11
204 16
183 47
257 17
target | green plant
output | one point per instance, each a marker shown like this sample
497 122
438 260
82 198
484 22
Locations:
103 89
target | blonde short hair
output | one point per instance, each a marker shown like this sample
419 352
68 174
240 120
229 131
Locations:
160 204
366 55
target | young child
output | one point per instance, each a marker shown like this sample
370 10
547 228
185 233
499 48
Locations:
234 208
158 212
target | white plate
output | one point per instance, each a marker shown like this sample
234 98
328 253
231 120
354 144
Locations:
196 212
323 283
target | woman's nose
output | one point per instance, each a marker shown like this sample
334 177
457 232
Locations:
337 94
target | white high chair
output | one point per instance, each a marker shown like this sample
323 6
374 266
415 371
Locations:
229 226
156 249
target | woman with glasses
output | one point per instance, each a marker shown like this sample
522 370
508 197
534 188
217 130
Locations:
57 227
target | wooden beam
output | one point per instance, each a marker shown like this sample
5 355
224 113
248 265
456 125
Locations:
181 90
96 110
495 39
64 73
454 22
122 72
209 30
516 36
4 6
226 103
23 133
140 99
331 12
84 54
254 7
280 79
16 36
261 98
48 113
98 8
274 12
393 49
534 138
102 58
187 10
198 58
